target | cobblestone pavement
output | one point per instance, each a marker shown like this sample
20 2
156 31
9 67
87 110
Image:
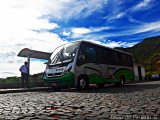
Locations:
132 101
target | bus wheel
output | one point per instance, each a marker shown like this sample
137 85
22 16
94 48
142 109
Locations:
82 83
122 81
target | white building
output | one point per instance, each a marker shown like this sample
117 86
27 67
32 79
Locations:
139 72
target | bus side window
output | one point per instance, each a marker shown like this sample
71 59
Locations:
87 54
102 56
90 54
119 59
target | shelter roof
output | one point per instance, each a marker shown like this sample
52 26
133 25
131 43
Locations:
34 54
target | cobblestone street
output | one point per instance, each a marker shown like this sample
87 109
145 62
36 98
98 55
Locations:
132 101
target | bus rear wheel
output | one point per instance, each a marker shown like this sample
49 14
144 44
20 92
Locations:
122 80
82 83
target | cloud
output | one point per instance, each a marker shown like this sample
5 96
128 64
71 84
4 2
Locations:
8 69
153 26
86 33
131 33
120 15
82 32
23 25
114 10
11 69
114 44
145 4
119 11
72 8
133 20
115 16
66 33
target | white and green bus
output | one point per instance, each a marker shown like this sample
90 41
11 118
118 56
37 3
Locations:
81 63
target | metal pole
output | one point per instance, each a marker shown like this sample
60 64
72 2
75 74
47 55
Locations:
28 64
28 69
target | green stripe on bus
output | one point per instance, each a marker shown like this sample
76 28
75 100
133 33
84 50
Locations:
128 74
64 80
96 79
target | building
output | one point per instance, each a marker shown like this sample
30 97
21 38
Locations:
139 72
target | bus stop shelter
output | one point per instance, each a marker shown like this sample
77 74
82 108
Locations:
28 53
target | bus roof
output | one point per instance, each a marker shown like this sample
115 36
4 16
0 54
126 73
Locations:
102 46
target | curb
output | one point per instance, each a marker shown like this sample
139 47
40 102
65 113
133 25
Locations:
36 89
4 91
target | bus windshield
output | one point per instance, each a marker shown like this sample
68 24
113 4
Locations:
66 53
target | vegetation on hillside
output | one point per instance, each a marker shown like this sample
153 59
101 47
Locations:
147 53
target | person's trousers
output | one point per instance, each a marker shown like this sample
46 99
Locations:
24 79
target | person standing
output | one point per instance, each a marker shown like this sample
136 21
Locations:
24 74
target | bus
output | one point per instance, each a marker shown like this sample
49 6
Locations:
81 63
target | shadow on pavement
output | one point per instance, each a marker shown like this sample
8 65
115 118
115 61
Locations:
127 88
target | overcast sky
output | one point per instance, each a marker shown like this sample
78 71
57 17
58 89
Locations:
45 24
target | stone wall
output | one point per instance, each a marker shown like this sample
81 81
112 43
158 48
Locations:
18 85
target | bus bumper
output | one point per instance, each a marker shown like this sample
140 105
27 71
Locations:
61 81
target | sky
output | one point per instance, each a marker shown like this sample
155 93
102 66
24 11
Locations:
45 24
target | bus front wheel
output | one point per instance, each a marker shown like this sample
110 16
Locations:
82 83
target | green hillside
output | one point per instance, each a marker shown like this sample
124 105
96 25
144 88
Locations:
147 53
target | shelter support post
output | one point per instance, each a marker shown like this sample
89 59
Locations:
28 60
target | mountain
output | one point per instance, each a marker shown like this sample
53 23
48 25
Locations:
147 53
